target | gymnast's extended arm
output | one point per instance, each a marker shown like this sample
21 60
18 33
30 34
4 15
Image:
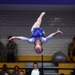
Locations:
21 38
51 36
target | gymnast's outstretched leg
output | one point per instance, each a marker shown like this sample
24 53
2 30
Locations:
38 22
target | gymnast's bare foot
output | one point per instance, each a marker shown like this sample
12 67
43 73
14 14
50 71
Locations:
58 31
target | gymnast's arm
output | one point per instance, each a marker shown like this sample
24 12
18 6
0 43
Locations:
51 35
22 38
45 39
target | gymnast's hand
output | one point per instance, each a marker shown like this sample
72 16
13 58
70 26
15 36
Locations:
12 38
58 31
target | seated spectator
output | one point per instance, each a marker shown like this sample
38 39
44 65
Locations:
16 70
11 50
21 72
71 49
6 74
4 70
62 74
73 71
35 70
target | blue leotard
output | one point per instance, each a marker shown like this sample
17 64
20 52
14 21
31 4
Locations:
37 33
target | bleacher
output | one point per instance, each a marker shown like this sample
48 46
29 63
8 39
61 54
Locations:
44 62
66 68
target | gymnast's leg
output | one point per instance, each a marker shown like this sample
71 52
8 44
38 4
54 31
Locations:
38 22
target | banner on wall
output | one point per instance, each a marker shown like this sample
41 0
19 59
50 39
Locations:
37 1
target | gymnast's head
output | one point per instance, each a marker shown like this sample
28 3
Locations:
38 46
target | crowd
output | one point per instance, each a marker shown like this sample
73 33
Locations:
16 71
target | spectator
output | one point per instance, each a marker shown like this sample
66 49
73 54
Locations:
62 74
2 48
21 72
16 70
71 49
35 70
6 74
73 72
11 50
4 70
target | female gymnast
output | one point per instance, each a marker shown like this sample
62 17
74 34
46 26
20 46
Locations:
37 35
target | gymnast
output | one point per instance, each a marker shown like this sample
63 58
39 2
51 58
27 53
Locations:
37 35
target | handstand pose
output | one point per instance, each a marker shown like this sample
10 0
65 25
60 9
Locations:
37 35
